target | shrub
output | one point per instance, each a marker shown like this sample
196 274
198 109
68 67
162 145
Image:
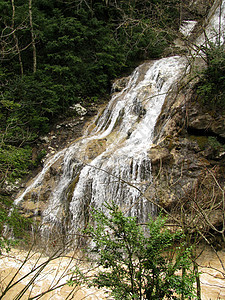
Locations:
211 87
140 263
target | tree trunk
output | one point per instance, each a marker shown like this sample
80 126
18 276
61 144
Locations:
15 38
32 38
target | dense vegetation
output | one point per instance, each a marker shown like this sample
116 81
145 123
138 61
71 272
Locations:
56 53
211 85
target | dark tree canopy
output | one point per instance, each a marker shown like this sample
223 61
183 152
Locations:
58 52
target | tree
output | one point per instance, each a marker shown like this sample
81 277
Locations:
140 261
15 37
32 38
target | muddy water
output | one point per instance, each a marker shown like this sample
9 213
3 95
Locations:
58 272
212 274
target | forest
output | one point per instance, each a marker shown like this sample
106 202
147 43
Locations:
56 53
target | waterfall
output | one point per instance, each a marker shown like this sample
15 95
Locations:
111 162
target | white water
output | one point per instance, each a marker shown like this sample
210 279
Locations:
215 29
187 27
127 157
39 179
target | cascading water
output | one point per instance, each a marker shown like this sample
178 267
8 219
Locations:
214 31
122 137
216 27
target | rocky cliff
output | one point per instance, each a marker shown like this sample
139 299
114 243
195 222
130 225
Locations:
188 155
188 159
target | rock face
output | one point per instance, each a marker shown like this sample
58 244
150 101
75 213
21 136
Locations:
188 158
201 119
188 155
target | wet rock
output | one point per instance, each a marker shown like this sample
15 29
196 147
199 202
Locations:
201 120
119 84
33 207
95 148
79 109
44 139
158 154
138 108
184 129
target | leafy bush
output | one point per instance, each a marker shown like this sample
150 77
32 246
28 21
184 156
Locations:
14 162
11 221
211 87
140 263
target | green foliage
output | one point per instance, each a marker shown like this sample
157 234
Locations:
83 45
12 220
39 158
78 277
206 141
215 144
5 244
140 263
14 162
18 224
211 87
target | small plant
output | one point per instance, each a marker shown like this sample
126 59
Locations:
214 143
